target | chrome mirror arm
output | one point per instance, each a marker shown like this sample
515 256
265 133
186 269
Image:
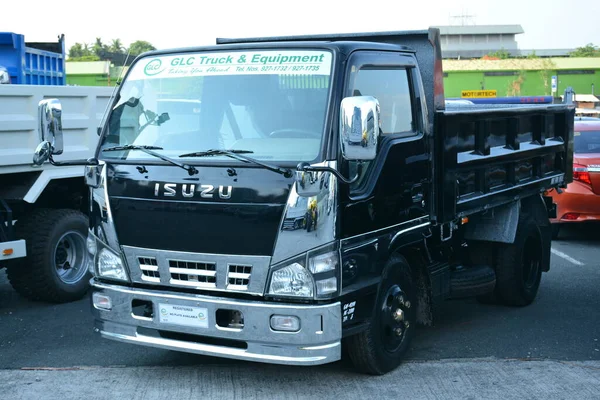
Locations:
306 167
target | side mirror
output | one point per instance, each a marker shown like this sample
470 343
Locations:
309 183
93 175
50 123
51 135
359 127
42 153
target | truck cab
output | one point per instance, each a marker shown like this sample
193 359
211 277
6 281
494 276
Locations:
190 208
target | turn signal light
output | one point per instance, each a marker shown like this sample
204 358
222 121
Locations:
7 252
581 174
286 323
571 216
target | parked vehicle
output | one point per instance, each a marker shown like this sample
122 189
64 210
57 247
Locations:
43 221
4 76
31 63
580 201
188 220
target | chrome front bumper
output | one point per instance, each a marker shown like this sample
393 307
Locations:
317 342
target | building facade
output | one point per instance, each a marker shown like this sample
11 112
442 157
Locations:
522 77
476 41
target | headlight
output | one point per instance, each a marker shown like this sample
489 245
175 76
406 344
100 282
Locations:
320 280
110 265
323 262
326 287
293 280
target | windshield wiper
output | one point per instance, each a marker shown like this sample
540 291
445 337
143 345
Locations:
148 149
132 147
215 152
237 155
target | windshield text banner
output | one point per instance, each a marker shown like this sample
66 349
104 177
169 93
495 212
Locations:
307 62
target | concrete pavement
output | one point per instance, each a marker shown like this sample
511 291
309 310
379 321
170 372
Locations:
448 379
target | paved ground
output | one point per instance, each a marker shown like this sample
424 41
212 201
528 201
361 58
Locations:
453 379
550 349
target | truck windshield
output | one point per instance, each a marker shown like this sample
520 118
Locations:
270 103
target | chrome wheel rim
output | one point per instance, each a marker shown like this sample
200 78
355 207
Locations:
70 257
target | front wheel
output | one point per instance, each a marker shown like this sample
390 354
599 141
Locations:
381 348
56 266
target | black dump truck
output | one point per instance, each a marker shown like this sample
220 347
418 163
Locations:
207 152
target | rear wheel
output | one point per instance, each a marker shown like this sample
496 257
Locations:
382 346
555 231
519 266
56 266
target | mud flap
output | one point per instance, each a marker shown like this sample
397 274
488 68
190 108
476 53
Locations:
498 224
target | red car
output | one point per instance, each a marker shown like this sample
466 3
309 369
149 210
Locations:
580 202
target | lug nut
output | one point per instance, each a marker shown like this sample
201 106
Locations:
398 331
406 324
407 304
399 314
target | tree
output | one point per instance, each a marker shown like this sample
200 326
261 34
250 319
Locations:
514 87
99 48
501 54
114 53
82 52
589 50
139 47
532 56
116 46
547 68
76 50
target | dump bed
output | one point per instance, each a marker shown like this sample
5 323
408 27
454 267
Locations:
82 111
33 63
484 156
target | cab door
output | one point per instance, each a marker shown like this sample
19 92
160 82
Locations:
392 188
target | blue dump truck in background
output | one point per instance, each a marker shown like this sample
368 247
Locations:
31 63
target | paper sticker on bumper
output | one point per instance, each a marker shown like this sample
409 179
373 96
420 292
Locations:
183 315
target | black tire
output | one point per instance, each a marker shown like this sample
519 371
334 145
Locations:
379 349
36 276
519 266
482 253
555 231
472 281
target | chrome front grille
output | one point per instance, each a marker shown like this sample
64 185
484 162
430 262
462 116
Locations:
238 276
218 272
190 273
149 268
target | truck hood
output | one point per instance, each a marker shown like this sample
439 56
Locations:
221 210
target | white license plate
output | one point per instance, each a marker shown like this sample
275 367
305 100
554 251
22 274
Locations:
183 315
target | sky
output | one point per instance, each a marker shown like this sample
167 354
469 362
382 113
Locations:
548 24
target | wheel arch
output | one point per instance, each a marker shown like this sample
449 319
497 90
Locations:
50 192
